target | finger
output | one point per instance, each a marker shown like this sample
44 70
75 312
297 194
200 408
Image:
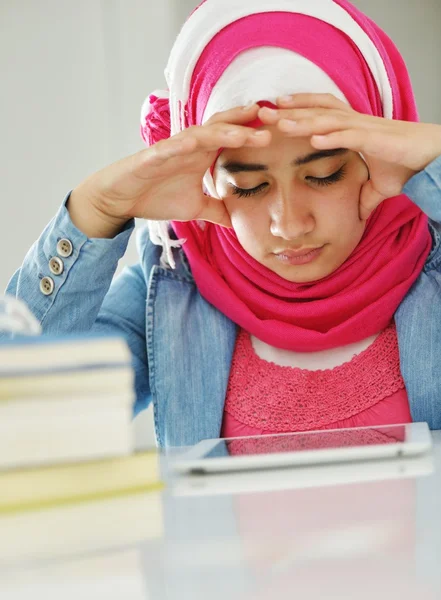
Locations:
271 116
321 125
167 149
353 139
372 142
215 212
204 139
311 100
370 199
225 135
239 114
315 117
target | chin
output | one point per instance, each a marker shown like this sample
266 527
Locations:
303 277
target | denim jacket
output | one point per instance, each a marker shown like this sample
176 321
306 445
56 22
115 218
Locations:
182 346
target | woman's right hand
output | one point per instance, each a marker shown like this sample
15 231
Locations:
163 182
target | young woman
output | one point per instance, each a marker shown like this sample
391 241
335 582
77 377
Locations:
297 288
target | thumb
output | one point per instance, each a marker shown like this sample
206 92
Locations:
215 212
369 200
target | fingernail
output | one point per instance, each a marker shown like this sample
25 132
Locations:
259 133
232 132
284 99
249 106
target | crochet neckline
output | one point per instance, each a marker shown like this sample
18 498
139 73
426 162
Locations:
281 398
245 340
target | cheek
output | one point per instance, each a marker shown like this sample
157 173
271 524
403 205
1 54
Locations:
342 218
346 209
250 222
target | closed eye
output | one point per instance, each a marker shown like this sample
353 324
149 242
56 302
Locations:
246 193
321 181
337 176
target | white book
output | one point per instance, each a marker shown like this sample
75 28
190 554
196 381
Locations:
51 353
64 404
76 530
109 576
34 439
98 380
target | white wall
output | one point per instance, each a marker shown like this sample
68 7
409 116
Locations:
74 76
415 27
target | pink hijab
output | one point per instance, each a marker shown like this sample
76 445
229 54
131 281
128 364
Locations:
360 298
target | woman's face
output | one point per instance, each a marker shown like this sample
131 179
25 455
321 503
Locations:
285 198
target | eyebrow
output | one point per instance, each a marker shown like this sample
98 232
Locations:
240 167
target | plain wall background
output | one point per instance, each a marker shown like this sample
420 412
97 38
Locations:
75 74
74 77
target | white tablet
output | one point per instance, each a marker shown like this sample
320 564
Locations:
304 477
309 448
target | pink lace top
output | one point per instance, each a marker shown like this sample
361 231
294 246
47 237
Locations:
264 398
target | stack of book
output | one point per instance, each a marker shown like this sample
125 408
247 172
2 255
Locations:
64 398
70 479
110 575
76 509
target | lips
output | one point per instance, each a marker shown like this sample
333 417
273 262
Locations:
297 253
302 256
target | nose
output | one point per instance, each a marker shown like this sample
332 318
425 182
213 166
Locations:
291 218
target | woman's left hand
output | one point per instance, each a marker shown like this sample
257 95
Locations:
394 150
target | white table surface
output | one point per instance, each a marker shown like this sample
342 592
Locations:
360 540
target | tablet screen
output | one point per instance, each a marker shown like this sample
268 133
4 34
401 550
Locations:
298 442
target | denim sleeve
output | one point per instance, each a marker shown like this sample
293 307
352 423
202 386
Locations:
123 312
84 298
424 189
